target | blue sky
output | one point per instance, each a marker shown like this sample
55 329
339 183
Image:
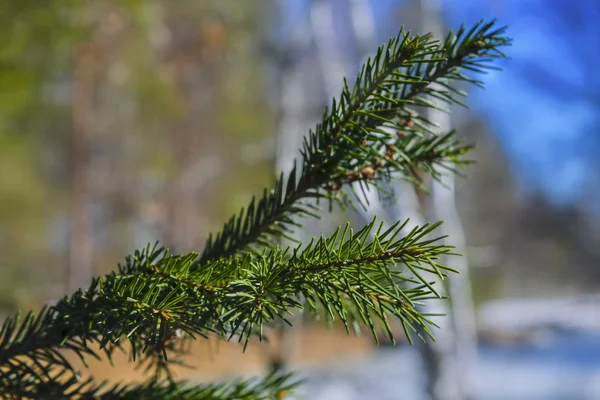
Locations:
544 105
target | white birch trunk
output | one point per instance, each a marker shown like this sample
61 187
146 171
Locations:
439 358
443 207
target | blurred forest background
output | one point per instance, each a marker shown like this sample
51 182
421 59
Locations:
123 122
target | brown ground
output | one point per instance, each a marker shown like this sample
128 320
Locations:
212 359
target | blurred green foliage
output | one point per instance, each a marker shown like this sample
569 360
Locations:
152 59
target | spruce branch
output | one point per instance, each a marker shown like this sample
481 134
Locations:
271 387
242 282
365 128
63 384
156 297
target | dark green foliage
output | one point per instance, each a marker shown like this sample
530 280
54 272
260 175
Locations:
371 134
65 385
363 135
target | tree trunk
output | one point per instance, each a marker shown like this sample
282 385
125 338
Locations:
292 97
80 262
439 357
443 207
